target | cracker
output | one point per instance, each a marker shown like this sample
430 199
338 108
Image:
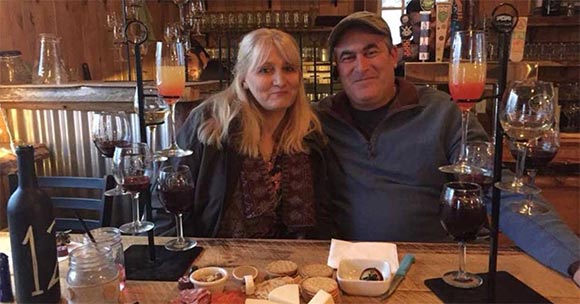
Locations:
282 268
314 284
316 270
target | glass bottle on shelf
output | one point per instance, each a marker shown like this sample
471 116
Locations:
12 69
49 69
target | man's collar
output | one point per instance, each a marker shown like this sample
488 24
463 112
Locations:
405 95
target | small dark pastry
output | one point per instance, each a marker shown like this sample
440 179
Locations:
62 238
371 274
61 251
184 283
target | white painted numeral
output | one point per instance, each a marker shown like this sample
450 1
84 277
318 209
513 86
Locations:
29 238
54 279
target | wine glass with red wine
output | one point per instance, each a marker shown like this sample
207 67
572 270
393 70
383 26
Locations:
540 152
462 214
110 130
135 165
176 190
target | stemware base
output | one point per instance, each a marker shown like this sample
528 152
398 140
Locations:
117 191
136 227
513 187
174 152
466 280
461 168
180 244
528 208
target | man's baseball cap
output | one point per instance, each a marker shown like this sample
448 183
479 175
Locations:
365 19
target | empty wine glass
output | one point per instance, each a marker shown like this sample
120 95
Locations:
462 214
479 154
467 73
176 193
171 32
110 130
540 152
180 4
196 11
527 111
135 165
155 111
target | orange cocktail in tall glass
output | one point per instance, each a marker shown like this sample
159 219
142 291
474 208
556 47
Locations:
467 73
170 79
466 83
170 83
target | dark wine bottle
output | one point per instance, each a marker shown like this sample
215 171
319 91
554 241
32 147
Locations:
32 236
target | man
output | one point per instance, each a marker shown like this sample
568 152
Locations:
389 139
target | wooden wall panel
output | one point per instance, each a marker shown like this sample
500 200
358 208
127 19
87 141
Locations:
82 25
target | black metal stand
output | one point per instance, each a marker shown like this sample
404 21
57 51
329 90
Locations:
498 287
141 29
163 265
504 23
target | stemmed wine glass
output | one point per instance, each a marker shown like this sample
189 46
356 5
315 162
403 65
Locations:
195 12
467 73
462 214
134 163
170 76
526 113
155 112
175 188
479 154
540 152
110 130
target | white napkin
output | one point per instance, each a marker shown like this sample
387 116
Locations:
363 250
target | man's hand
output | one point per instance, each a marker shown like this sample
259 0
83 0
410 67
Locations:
576 277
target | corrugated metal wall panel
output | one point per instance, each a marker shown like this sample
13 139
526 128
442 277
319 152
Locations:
68 137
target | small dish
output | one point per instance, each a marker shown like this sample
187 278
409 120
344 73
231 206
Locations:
210 278
349 277
241 271
70 247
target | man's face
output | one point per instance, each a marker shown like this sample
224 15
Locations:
366 68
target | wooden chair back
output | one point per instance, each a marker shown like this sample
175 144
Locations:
84 194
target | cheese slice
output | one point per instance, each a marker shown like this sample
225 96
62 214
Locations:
322 297
258 301
287 294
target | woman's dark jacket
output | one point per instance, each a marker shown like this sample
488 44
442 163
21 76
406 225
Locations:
216 172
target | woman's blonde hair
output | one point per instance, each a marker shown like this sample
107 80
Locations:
237 104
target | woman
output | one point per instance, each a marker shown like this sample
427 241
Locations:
258 149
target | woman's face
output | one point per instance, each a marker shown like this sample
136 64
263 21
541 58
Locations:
274 83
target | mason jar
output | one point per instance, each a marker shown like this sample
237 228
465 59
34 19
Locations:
111 237
92 276
12 69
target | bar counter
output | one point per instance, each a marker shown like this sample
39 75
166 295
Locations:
432 260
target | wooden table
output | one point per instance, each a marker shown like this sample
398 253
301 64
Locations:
432 260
